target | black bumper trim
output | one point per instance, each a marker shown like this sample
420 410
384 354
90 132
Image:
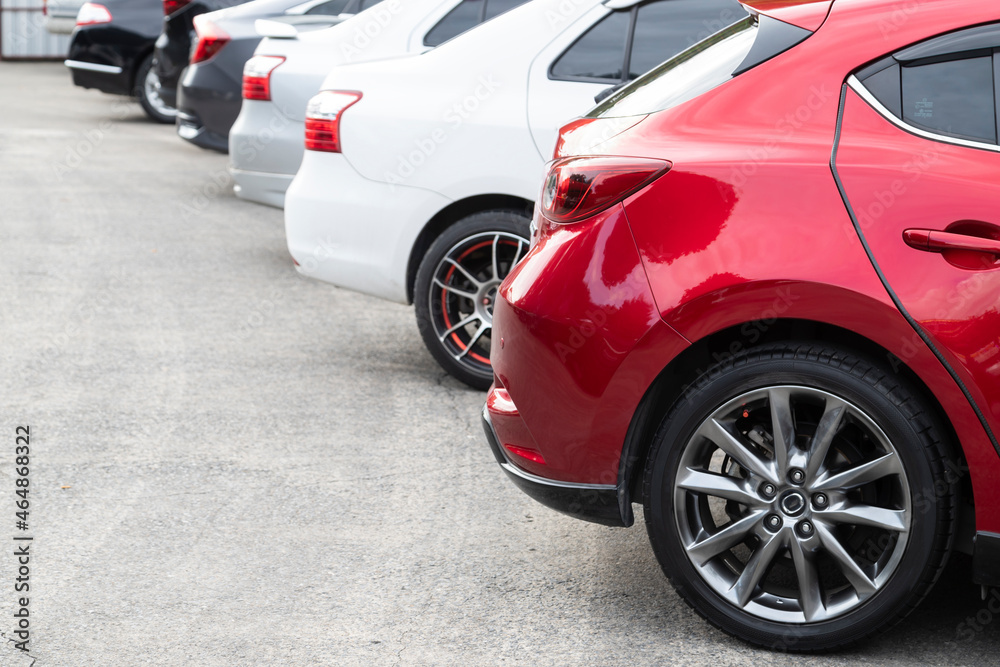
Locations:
597 503
986 559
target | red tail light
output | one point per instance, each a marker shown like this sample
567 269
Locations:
211 39
91 14
257 77
171 6
323 119
579 187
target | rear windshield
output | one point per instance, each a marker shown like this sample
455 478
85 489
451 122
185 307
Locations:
706 65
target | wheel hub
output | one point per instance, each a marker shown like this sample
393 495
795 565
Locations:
792 503
486 299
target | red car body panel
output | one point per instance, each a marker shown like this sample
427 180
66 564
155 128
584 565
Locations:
748 227
574 315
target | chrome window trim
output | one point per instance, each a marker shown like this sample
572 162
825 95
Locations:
860 89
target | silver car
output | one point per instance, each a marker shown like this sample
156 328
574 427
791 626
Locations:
268 139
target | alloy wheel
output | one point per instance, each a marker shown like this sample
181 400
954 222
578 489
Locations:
792 504
463 291
151 91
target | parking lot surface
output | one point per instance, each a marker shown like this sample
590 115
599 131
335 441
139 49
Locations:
233 465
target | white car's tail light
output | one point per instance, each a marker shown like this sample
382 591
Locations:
211 39
92 14
257 77
579 187
323 119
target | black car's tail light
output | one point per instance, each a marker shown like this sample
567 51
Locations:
211 39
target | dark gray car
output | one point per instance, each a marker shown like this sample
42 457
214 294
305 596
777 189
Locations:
210 92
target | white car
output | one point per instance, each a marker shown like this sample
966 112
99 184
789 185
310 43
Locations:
266 142
60 15
420 173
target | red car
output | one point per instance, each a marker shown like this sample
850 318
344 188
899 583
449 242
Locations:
763 300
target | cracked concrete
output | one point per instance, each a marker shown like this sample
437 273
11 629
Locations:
263 469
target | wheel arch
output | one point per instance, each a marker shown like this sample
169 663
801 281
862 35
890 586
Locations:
136 64
690 364
451 214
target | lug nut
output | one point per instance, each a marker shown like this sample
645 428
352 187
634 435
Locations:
773 522
820 500
805 528
797 476
768 490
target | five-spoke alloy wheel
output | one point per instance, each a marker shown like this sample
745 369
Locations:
780 497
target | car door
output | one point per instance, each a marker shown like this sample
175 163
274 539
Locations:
610 45
919 161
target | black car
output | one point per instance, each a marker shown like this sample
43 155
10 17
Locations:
209 96
112 50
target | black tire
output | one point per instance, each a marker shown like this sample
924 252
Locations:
145 78
463 353
744 390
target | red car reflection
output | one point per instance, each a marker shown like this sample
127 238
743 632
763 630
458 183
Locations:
763 300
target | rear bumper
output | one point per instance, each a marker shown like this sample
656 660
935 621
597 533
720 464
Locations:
356 233
190 128
597 503
105 56
102 76
208 102
261 187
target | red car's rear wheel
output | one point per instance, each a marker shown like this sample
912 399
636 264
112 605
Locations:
796 498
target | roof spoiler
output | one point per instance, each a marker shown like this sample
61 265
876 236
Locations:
806 14
275 29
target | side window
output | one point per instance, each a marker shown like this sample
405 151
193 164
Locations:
599 55
467 14
664 29
953 97
497 7
950 94
332 8
630 42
